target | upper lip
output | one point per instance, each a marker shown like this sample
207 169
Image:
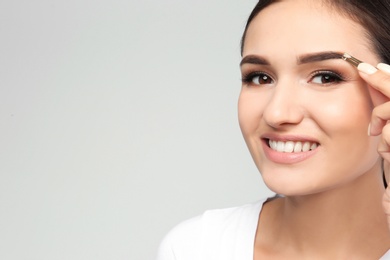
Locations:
289 137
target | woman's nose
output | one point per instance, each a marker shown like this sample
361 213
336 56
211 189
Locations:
283 108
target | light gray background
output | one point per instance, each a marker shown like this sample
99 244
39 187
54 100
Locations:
118 120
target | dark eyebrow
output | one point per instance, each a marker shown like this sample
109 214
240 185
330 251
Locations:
253 59
306 58
319 56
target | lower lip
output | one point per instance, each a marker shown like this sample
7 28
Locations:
286 158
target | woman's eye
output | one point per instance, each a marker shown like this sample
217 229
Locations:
326 78
258 79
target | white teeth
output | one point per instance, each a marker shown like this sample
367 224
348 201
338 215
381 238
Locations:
280 147
292 147
289 147
306 147
273 144
298 147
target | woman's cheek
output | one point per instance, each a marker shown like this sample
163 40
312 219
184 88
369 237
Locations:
341 112
249 112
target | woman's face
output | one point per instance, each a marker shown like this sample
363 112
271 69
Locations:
303 111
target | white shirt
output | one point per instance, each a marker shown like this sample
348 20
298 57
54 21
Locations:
222 234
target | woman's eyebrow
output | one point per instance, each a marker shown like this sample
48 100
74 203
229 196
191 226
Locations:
318 56
254 59
302 59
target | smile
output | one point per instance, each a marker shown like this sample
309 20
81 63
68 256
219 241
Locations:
292 146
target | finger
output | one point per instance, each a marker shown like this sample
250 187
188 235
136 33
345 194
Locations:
378 79
384 67
386 169
380 116
386 204
384 144
386 207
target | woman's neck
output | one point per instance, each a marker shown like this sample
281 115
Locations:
335 223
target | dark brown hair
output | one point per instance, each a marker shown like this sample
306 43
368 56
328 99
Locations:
373 15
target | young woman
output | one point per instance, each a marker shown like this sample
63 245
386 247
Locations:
316 127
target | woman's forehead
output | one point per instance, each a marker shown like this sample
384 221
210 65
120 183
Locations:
293 26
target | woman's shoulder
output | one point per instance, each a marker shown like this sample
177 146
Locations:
386 256
181 241
216 218
228 217
185 240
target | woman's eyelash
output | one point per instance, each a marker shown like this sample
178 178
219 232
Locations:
257 78
322 77
326 77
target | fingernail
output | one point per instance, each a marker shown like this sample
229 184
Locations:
369 129
384 67
366 68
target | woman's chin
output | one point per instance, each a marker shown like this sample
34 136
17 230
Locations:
289 188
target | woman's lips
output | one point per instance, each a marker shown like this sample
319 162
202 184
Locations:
285 151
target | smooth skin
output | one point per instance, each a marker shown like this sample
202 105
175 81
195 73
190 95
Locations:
334 196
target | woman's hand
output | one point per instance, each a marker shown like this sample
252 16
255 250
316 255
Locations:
379 79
